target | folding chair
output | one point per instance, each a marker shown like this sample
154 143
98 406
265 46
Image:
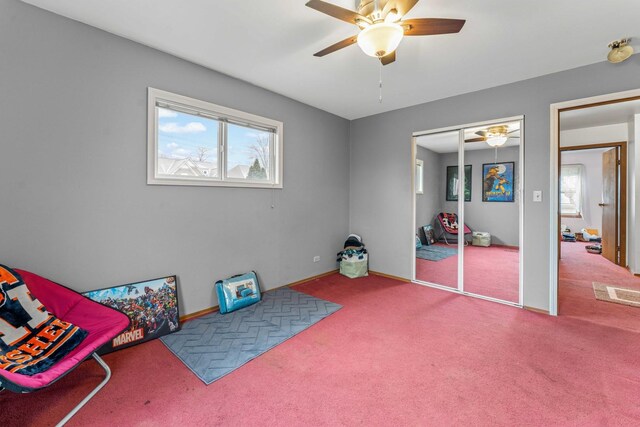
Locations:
101 322
448 230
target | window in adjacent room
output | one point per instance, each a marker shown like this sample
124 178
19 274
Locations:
192 142
571 187
419 176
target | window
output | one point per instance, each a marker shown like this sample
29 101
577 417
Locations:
571 187
192 142
419 176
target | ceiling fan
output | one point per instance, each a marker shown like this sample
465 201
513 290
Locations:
495 136
381 26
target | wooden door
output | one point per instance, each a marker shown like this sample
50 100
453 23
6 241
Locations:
610 243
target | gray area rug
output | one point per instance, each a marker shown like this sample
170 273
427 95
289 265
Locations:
216 344
435 253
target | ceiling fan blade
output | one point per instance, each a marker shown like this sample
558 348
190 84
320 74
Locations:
431 26
402 7
482 133
388 59
337 11
481 139
337 46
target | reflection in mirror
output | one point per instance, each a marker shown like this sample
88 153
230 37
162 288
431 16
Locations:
437 250
492 259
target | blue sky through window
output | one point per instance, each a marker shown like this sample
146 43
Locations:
187 136
181 135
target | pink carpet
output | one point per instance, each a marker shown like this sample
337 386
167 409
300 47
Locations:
395 354
492 271
578 270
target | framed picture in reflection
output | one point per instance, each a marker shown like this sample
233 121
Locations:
497 182
453 183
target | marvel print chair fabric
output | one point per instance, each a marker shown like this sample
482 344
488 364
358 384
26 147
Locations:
56 317
448 229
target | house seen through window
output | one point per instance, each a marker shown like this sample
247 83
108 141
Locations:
193 142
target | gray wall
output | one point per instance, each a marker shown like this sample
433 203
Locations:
429 203
381 159
75 204
499 219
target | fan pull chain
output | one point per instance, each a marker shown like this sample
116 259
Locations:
380 98
495 162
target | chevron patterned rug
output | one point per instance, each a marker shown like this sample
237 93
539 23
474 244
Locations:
216 344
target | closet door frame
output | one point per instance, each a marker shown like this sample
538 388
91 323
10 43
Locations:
519 194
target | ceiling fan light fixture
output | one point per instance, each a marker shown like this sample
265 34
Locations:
362 24
497 135
380 39
497 141
392 16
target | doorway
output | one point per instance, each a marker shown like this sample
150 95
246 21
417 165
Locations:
593 197
595 254
467 209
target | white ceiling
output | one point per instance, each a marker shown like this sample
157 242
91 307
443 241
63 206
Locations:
443 142
271 44
447 142
601 115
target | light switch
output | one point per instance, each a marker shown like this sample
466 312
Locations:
537 195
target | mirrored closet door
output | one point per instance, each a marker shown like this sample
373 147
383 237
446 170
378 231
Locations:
436 252
470 199
491 259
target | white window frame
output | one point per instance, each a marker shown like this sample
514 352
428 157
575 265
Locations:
223 115
419 176
580 205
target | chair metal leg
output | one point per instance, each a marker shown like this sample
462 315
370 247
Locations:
442 236
90 395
